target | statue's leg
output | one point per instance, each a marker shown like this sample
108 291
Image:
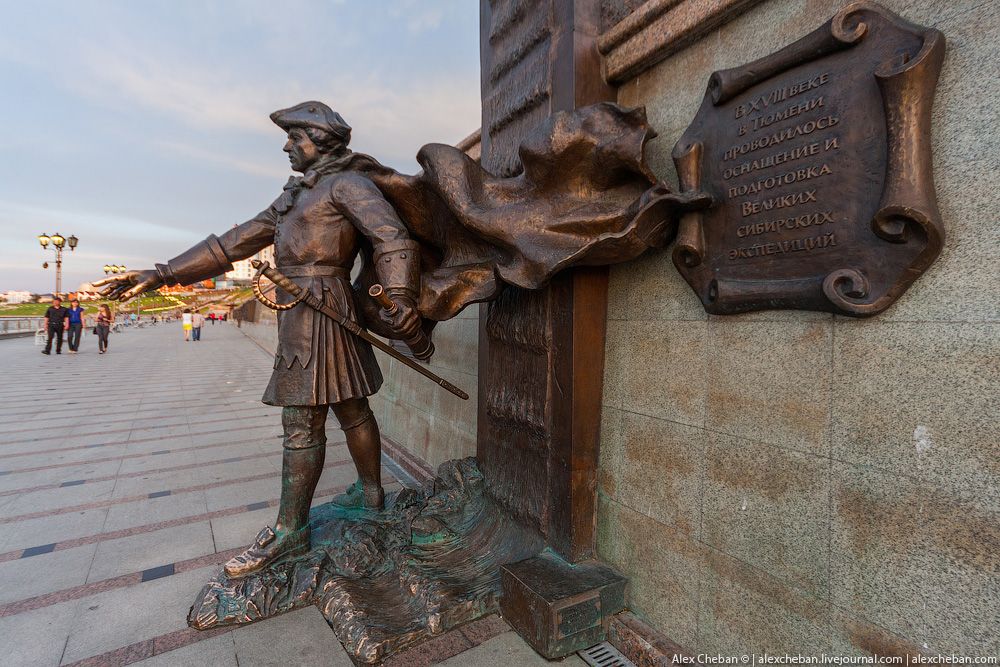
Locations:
363 441
302 465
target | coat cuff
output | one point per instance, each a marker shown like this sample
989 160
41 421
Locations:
397 264
203 261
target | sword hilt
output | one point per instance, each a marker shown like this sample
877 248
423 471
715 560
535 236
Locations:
276 277
263 268
420 345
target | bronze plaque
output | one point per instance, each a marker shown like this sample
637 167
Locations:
818 160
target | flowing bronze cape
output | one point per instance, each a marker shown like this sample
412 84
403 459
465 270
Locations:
585 196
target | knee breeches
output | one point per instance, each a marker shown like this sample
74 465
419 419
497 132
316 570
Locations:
305 426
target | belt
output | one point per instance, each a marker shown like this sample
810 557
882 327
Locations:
314 271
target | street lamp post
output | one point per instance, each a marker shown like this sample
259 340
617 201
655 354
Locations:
58 241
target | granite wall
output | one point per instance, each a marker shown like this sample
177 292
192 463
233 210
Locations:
802 482
423 418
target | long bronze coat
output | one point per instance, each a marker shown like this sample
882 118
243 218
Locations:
317 226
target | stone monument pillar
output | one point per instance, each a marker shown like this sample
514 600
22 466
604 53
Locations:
541 352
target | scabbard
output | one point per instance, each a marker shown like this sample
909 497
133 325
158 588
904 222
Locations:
316 304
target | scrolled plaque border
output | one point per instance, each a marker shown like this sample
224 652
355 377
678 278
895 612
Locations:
908 201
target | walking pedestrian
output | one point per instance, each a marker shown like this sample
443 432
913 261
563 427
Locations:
75 326
186 323
56 321
211 318
103 328
197 319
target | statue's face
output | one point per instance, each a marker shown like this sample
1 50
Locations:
302 152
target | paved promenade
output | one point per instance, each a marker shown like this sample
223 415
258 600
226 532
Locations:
127 479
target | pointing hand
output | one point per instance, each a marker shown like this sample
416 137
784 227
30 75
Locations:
128 285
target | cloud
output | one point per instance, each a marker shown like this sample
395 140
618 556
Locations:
103 237
30 216
392 121
271 169
149 105
419 15
190 94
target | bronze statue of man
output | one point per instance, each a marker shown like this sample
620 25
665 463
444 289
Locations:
317 226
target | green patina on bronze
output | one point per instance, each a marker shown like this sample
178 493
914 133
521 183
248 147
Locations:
386 580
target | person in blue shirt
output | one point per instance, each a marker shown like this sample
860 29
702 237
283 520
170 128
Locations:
75 325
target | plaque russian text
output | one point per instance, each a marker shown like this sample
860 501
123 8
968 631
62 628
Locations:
817 158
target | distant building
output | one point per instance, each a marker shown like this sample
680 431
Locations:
19 296
175 289
243 272
87 292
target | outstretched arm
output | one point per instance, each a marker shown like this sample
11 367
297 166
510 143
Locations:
205 260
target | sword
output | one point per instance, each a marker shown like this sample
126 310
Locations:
316 304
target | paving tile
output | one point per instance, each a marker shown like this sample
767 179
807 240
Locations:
55 528
341 476
145 550
210 455
300 638
123 616
158 572
38 501
218 651
43 430
74 456
35 551
153 418
180 479
503 651
45 573
83 471
233 495
36 638
154 510
239 530
153 461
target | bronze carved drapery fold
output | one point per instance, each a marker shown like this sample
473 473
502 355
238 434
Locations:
585 197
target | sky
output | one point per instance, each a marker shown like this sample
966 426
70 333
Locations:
142 127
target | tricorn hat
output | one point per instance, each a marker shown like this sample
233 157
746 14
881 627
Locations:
313 114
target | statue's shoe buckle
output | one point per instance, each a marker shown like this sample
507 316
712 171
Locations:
265 550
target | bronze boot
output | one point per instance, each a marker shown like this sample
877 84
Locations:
365 444
358 496
301 470
266 549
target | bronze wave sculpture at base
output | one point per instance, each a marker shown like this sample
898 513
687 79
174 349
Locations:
428 562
